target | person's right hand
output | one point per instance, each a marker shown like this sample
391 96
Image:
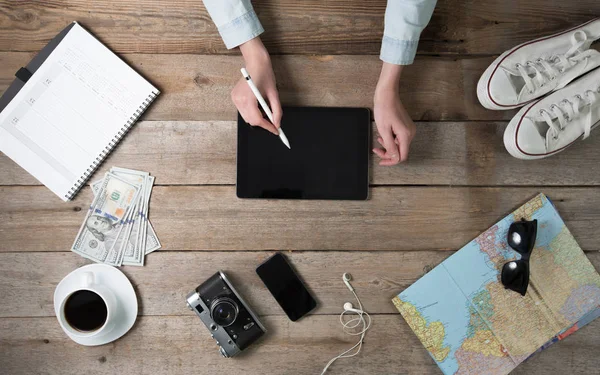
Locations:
258 65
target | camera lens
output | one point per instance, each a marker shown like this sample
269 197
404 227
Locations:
224 311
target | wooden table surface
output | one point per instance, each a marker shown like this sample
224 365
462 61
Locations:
458 182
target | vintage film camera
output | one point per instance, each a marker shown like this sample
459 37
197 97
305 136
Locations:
227 316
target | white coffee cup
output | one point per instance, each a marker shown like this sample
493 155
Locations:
87 281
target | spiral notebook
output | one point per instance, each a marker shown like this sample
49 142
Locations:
69 108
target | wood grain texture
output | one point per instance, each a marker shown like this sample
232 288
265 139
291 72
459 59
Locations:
198 87
212 218
168 276
181 345
292 27
320 53
462 153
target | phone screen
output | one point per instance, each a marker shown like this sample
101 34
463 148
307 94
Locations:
286 287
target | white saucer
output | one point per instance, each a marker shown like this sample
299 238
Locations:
119 284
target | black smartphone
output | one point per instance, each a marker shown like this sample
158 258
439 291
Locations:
287 288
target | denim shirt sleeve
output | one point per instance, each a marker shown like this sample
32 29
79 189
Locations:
235 19
404 21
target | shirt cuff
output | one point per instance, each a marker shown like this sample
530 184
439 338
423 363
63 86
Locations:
398 52
241 30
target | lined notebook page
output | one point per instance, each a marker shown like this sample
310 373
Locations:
72 111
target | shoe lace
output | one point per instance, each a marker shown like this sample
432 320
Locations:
556 65
568 110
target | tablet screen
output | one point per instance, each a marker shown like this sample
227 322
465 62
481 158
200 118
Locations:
328 159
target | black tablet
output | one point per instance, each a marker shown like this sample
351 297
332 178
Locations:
328 159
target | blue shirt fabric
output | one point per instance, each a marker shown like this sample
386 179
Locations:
404 20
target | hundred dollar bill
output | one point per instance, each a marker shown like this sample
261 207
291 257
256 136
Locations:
114 254
141 236
128 246
131 242
151 239
142 241
152 242
121 241
125 243
121 172
133 245
96 185
140 249
103 222
134 233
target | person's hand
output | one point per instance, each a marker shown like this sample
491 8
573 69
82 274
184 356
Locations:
258 65
396 128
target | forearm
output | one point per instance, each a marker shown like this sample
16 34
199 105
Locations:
389 78
254 49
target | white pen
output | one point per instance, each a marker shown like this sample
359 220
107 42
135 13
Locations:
264 106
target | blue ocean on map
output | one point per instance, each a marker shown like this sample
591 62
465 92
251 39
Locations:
442 302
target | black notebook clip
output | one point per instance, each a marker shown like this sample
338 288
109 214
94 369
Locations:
23 75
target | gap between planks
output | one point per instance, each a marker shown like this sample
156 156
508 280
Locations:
449 154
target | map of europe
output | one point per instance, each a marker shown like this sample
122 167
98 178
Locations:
471 325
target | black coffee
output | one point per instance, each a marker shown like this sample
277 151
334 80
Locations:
85 311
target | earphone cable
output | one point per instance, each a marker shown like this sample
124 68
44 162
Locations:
348 326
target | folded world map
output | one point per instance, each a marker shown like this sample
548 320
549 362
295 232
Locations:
471 324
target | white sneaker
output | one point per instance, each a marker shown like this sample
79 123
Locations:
555 122
536 68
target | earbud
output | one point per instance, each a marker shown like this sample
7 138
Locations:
347 277
348 307
350 326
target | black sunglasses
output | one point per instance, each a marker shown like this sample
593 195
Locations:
521 238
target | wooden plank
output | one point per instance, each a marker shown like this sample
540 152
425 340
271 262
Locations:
166 279
292 27
212 218
462 153
181 345
198 87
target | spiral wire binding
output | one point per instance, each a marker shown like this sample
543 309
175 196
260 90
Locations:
111 145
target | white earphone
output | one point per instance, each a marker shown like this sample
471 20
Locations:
351 324
347 277
348 307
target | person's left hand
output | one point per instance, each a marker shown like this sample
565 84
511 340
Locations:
396 128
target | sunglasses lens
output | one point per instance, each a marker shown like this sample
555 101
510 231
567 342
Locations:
521 236
515 276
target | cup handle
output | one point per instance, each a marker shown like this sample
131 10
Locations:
88 279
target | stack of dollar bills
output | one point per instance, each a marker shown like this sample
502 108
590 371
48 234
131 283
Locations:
116 229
